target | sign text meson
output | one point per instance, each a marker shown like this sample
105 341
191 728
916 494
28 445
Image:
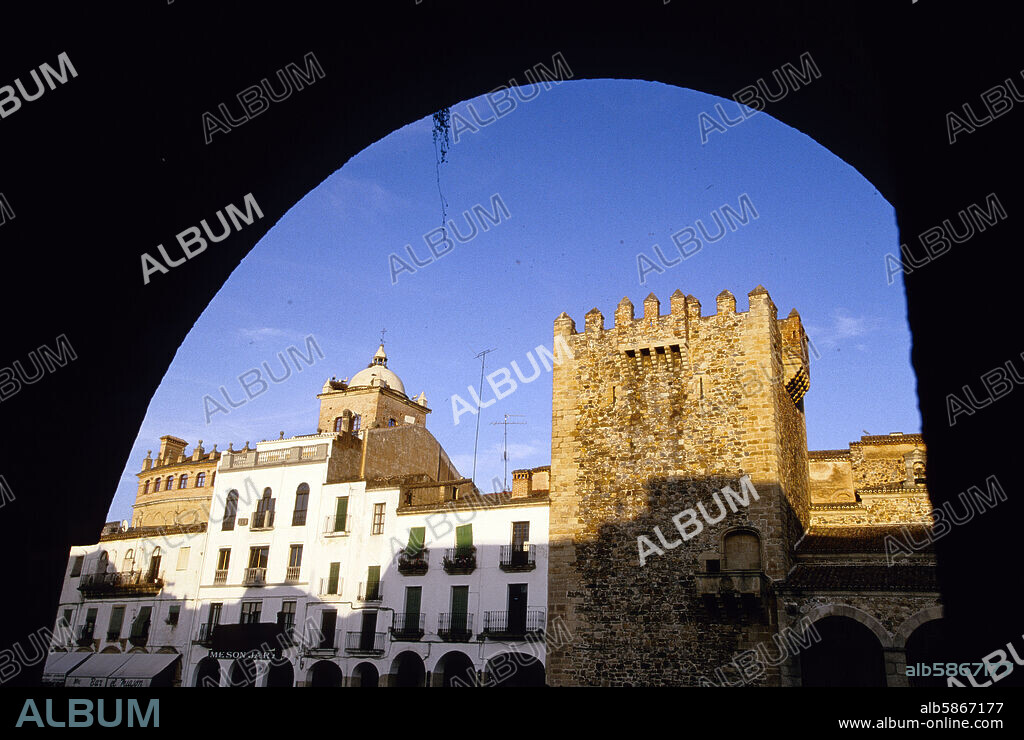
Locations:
192 241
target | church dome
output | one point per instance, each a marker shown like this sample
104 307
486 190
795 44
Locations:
378 375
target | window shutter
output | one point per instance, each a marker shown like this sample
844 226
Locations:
417 535
372 578
141 624
464 537
412 600
341 514
332 579
116 620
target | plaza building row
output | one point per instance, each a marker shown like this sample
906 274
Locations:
355 556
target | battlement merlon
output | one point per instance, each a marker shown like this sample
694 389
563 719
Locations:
684 312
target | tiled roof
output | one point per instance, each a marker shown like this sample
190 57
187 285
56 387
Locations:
839 540
863 578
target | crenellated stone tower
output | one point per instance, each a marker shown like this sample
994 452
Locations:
651 417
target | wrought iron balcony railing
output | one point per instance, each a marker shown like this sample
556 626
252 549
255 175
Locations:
320 641
514 558
205 636
407 626
335 528
455 626
514 624
123 584
365 643
255 577
459 560
371 591
413 565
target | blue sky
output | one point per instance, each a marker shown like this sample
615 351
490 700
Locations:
592 173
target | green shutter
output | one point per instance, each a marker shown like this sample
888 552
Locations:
116 621
417 535
464 537
372 579
332 579
341 514
412 600
460 599
140 626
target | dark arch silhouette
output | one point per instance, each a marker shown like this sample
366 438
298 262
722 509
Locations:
455 669
325 673
281 674
366 675
930 643
515 669
207 673
848 655
864 115
243 673
408 670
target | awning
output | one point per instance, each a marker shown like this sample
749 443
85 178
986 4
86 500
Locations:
141 669
94 671
59 664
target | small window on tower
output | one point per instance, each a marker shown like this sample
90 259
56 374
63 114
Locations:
391 422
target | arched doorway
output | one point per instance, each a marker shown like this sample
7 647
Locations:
325 673
207 673
929 644
408 670
366 674
515 669
455 669
243 672
281 674
848 654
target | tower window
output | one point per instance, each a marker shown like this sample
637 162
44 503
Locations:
391 422
200 480
170 483
356 421
145 488
183 481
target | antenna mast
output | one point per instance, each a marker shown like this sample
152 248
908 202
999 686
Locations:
504 453
476 439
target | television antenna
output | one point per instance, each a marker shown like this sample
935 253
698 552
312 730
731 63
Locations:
504 453
479 411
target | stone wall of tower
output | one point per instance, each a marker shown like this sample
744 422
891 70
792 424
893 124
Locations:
374 405
650 417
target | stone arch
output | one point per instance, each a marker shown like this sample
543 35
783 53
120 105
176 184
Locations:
858 615
906 629
514 669
407 669
280 673
845 653
325 673
207 673
365 675
454 669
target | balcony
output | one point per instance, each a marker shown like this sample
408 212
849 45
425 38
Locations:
365 643
413 565
371 591
255 577
733 589
205 636
83 636
514 625
408 626
335 528
126 584
318 642
516 559
455 626
331 591
292 574
262 520
220 577
139 635
459 560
